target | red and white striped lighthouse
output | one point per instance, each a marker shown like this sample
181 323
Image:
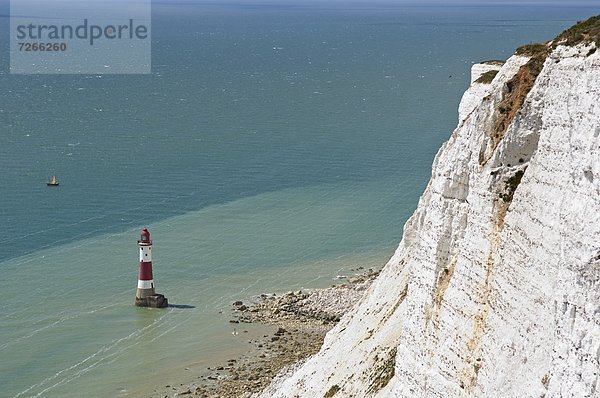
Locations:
145 295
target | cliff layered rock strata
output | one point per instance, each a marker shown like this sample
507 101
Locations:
494 290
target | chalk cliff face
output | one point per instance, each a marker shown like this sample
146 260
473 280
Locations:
494 290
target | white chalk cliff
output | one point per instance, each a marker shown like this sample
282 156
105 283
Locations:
494 290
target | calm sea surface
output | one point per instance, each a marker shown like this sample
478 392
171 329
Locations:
272 148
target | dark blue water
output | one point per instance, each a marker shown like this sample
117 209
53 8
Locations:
243 99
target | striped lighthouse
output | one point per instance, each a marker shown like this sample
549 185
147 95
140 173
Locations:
145 295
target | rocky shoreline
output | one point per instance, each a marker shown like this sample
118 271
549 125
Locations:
300 321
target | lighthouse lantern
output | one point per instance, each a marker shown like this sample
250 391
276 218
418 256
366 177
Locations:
145 237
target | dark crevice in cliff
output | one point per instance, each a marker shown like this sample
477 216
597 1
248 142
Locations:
517 88
384 372
511 184
515 92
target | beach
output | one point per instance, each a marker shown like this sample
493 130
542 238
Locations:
297 322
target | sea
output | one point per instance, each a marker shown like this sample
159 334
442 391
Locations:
275 146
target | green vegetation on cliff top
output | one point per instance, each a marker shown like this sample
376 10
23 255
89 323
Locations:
587 31
583 32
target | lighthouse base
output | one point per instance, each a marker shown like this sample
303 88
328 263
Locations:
152 301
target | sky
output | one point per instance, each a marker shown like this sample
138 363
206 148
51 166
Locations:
567 3
441 2
373 2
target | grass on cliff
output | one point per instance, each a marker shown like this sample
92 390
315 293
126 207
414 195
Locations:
584 32
487 77
533 50
497 62
516 90
519 86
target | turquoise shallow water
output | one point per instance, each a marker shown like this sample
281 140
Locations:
271 149
81 327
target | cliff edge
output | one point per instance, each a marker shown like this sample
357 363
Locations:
494 290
